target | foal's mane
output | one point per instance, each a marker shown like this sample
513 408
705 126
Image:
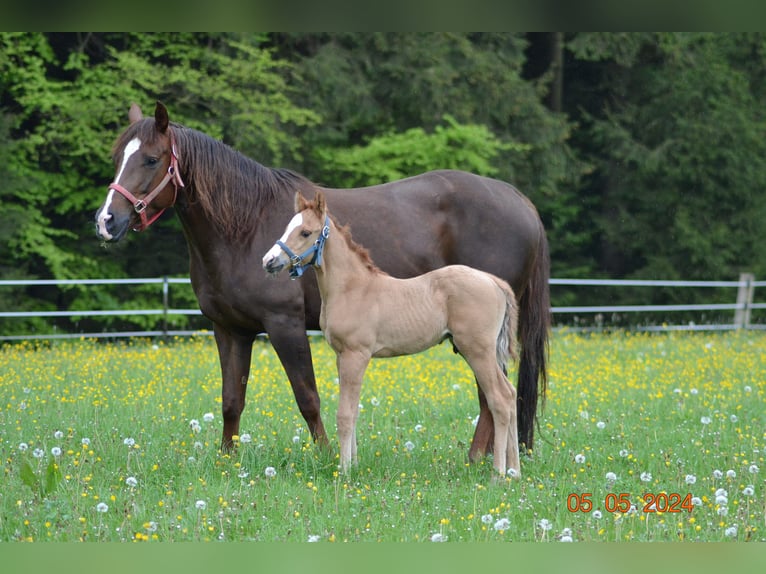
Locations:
232 189
361 251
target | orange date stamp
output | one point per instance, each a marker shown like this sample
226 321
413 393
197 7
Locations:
620 502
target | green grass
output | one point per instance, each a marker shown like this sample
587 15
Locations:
674 408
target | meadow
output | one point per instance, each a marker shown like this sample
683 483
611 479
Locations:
643 437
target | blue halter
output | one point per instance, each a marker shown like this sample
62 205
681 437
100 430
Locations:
297 265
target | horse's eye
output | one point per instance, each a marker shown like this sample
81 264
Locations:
305 233
151 161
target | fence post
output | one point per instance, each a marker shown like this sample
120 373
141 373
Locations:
165 297
744 300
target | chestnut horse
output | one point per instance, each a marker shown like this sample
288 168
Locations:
367 313
231 208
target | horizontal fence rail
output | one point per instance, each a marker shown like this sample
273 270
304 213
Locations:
741 309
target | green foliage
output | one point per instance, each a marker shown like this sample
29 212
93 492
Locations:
397 155
44 483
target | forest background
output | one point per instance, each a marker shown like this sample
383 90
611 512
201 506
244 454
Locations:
643 152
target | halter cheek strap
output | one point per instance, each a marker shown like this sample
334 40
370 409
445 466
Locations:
297 265
140 205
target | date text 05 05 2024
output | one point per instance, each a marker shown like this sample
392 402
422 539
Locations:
613 502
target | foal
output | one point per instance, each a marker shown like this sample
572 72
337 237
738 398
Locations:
367 313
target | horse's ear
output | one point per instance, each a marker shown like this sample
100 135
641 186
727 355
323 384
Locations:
161 119
320 203
135 113
301 202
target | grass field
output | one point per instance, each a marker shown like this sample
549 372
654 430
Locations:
643 437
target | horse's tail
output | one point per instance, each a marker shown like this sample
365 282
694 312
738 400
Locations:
534 328
506 338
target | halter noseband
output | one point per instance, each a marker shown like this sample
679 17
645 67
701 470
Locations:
297 265
140 205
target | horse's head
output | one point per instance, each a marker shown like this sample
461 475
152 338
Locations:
302 243
147 178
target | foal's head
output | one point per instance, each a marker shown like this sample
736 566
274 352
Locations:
302 243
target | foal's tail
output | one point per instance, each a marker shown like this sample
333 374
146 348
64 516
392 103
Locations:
506 338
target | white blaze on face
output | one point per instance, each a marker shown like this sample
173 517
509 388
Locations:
274 252
104 215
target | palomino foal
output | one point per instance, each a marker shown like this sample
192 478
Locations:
367 313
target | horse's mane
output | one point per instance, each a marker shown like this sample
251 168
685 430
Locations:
232 189
362 252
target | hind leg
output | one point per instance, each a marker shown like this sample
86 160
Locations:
499 394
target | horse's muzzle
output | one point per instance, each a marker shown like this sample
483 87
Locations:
273 265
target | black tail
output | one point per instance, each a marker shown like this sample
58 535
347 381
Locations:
534 328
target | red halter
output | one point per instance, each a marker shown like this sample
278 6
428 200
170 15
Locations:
140 205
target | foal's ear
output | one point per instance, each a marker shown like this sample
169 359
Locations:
135 113
301 202
320 203
161 119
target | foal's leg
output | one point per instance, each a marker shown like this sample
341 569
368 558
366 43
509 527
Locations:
351 368
499 395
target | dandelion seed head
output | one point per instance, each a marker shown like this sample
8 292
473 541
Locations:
512 473
731 531
545 524
690 479
705 420
245 438
610 476
129 442
731 473
23 447
200 505
502 524
131 481
58 435
600 425
624 453
646 477
753 469
717 474
438 537
270 472
208 417
314 538
596 514
56 451
38 453
693 391
195 426
579 458
409 445
486 519
85 441
749 490
102 507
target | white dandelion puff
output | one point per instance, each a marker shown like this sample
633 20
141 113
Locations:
512 473
624 453
690 479
58 435
270 472
102 507
731 531
646 477
749 490
486 519
208 417
314 538
438 537
579 458
409 445
610 476
38 453
56 451
195 426
502 524
545 524
129 442
200 505
23 447
597 514
85 441
705 420
731 473
600 425
717 474
245 438
753 469
131 481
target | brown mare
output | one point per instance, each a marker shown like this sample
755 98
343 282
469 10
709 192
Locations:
367 313
232 207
